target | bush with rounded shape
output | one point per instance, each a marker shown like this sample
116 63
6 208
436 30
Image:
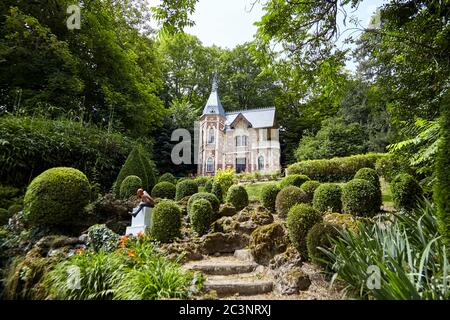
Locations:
301 218
129 186
216 190
201 215
56 197
201 180
4 216
166 221
359 197
327 198
269 195
405 191
215 203
185 188
168 177
208 186
133 166
238 197
371 176
309 187
225 178
287 198
320 235
293 180
164 190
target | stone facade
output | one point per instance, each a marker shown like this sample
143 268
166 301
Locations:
245 141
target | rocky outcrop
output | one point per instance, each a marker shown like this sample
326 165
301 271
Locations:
220 242
268 241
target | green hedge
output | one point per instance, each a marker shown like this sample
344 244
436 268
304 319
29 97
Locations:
130 186
56 197
293 180
166 221
301 218
201 215
29 146
335 169
360 198
164 190
310 187
185 188
238 197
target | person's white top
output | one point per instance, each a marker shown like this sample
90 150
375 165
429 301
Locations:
146 194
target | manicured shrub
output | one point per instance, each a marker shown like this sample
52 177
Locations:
225 178
293 180
129 186
168 177
309 187
185 188
335 169
371 176
287 198
301 218
216 190
166 221
134 166
201 215
4 216
406 191
269 195
201 180
56 197
164 190
359 197
215 203
238 197
208 186
320 236
327 198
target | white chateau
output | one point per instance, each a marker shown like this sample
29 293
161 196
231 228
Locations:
246 141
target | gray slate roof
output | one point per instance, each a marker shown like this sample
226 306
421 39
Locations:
213 105
259 118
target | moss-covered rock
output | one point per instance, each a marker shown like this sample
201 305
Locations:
268 241
227 210
57 197
219 242
342 221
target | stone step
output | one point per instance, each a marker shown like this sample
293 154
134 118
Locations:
240 286
244 255
225 265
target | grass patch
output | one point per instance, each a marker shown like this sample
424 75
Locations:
254 190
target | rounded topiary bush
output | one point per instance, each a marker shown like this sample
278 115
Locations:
372 176
185 188
287 198
201 215
215 203
327 198
208 186
309 187
238 197
216 189
166 221
164 190
301 218
129 186
293 180
406 191
56 197
320 236
168 177
359 197
269 195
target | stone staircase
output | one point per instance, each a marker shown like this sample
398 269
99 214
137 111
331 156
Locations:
231 275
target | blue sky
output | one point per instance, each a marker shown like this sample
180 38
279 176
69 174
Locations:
227 23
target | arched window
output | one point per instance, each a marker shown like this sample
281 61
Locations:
211 135
260 163
210 165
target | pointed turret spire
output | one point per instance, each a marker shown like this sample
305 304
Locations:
213 105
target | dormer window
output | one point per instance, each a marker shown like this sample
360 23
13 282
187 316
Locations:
210 136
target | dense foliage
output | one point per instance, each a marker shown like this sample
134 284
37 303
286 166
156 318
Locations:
215 203
57 197
371 176
287 198
406 191
327 198
166 221
185 188
164 190
238 197
360 198
310 187
129 186
320 237
269 195
335 169
293 180
201 215
168 177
